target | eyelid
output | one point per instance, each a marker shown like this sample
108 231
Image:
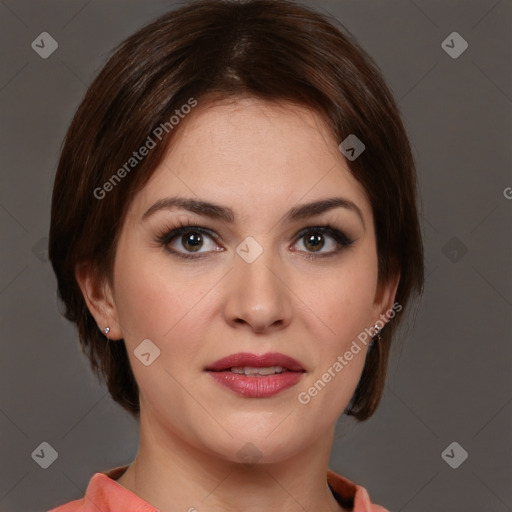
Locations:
170 233
327 229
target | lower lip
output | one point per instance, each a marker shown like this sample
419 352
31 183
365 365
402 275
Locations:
257 387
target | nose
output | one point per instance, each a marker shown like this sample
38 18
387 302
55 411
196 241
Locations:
257 297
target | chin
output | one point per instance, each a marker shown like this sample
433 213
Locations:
262 447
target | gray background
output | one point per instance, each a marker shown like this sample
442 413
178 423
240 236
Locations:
451 379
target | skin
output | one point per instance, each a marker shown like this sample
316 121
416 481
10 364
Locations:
259 159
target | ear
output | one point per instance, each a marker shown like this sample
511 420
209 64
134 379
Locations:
385 297
99 299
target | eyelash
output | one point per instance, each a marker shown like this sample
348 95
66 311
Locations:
169 234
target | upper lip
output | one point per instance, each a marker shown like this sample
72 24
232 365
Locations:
242 359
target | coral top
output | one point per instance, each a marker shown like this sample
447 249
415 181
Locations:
105 494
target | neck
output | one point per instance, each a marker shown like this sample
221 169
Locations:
171 475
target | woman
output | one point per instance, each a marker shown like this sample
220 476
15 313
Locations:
234 231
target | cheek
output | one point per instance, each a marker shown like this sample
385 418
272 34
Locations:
153 302
342 301
154 305
342 310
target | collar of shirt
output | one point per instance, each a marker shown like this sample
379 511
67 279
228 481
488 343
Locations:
106 495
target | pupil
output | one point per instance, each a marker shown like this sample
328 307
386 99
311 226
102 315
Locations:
192 240
315 241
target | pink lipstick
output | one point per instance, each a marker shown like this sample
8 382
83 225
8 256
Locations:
256 376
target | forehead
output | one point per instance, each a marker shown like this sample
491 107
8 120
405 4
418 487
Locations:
253 155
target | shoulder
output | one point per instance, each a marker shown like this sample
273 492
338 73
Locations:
350 495
105 494
71 506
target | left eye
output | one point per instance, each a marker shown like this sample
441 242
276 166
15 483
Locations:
322 239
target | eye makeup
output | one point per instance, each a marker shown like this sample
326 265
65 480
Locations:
319 235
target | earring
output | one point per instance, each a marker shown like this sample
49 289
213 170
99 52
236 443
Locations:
376 336
106 330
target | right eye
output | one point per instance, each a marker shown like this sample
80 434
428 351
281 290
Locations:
187 241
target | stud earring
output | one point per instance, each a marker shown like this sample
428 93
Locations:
376 336
106 330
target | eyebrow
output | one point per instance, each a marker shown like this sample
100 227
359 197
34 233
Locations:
226 214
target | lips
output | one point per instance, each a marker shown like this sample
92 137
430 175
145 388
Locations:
257 376
246 359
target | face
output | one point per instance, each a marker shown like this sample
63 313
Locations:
257 273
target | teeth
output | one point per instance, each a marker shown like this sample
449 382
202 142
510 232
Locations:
248 370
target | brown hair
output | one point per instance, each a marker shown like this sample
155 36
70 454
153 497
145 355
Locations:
274 50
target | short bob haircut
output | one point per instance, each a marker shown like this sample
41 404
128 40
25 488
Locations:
273 50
